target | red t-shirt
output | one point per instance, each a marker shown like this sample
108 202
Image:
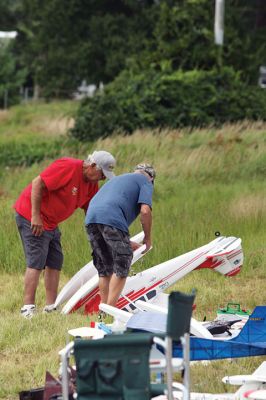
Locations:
65 191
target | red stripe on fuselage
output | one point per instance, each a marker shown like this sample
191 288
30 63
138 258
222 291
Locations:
135 295
123 302
84 299
235 254
184 265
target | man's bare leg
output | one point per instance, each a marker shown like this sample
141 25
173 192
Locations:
104 282
115 288
31 281
51 281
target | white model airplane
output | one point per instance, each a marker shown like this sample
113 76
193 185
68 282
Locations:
210 341
251 387
224 255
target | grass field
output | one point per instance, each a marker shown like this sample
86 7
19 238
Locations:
207 180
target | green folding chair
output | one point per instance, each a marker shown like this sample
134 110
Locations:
180 306
117 367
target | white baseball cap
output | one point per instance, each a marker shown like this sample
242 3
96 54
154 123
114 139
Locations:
105 161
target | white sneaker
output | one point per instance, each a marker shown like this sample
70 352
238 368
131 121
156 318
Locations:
49 308
28 311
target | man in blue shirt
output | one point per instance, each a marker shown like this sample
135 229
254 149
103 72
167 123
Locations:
110 213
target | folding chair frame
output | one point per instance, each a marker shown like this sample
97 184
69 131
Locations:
166 343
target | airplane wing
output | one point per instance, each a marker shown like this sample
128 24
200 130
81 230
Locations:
196 328
227 249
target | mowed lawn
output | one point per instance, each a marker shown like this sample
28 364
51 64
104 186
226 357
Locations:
207 180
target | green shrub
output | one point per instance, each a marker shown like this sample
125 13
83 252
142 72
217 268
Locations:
153 99
26 151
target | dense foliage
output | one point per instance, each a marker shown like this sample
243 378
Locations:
61 43
146 48
11 78
169 99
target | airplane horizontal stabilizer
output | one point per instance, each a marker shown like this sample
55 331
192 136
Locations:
224 250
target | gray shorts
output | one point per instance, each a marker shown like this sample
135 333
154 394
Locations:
111 250
40 251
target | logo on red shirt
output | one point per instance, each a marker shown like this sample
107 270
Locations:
74 191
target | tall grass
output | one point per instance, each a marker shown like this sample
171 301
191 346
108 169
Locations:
39 119
208 180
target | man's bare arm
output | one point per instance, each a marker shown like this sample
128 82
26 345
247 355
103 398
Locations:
146 222
36 199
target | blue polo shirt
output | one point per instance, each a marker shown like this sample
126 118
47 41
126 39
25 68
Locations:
118 201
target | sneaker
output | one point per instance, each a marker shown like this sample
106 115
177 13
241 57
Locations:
28 311
49 308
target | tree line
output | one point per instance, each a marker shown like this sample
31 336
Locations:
61 43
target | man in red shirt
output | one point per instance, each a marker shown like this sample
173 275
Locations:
51 198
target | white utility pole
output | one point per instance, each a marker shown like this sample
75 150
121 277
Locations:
219 22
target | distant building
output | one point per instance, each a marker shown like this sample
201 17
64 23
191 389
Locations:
85 90
8 35
262 77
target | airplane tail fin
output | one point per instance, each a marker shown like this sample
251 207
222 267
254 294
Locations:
254 330
226 258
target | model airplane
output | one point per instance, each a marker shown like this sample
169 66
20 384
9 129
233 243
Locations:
224 255
251 387
249 341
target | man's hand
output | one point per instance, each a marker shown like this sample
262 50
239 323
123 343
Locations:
37 226
148 245
134 245
36 199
